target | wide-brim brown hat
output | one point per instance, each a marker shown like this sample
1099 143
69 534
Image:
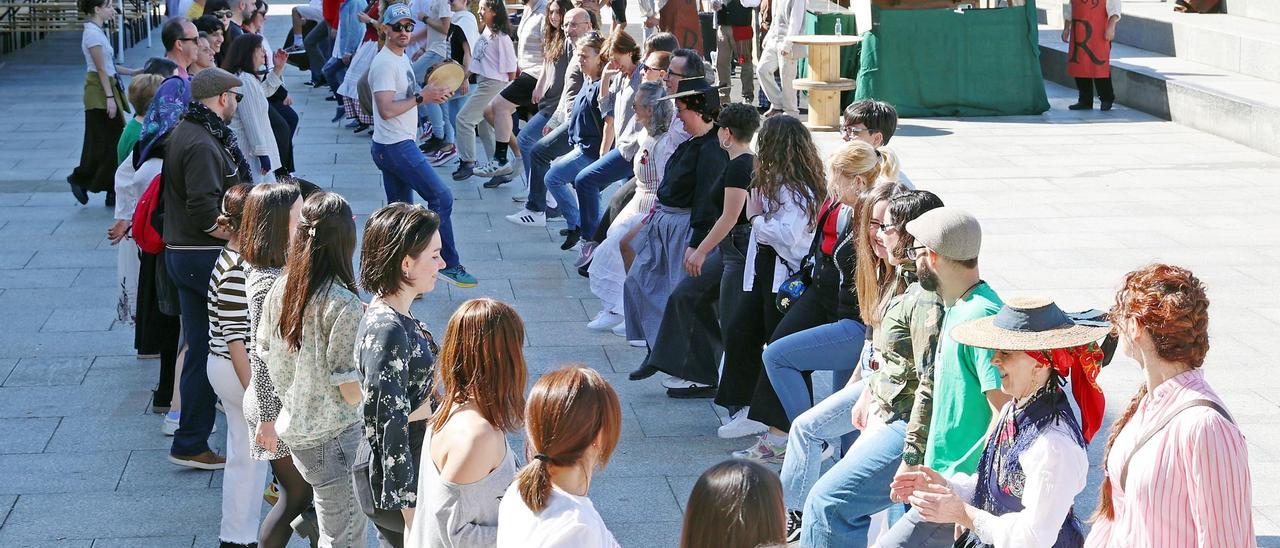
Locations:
1032 323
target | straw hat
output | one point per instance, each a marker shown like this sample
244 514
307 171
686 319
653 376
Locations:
1032 323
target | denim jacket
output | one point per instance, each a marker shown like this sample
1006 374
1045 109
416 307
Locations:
350 29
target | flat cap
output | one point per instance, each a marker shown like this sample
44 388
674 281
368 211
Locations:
212 82
949 231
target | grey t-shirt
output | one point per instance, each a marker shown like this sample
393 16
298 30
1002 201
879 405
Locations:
451 515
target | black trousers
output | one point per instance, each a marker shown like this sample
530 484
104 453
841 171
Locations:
1086 86
688 344
616 203
746 327
817 306
282 127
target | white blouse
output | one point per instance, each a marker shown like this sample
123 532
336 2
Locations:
94 37
784 227
1056 469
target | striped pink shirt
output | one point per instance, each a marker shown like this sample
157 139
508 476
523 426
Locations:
1189 485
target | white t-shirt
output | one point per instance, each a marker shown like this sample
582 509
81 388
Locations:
433 41
470 27
391 72
93 37
568 520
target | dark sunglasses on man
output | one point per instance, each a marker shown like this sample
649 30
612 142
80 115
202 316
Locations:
401 27
239 96
222 14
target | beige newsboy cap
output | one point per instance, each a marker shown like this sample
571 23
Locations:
949 231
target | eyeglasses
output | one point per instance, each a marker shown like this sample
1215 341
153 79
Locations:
401 27
222 14
239 96
884 228
648 68
849 132
916 252
192 39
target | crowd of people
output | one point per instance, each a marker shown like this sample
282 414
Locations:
739 257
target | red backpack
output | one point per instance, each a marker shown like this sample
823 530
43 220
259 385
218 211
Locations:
144 232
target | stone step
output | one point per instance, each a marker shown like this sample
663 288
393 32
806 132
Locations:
1229 41
1232 105
1262 10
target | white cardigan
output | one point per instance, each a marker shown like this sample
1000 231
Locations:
252 126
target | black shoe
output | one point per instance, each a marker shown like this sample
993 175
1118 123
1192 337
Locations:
692 392
79 192
317 83
571 239
111 199
332 97
564 231
1106 105
432 145
583 270
1081 106
644 372
464 171
352 124
337 115
497 181
225 544
553 212
361 128
794 521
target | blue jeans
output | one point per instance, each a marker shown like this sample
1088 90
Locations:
596 177
559 175
451 108
819 427
787 359
327 467
529 136
839 509
334 71
405 170
190 271
550 147
433 112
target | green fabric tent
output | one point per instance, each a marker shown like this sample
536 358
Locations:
983 62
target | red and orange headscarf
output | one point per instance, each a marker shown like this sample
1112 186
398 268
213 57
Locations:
1081 364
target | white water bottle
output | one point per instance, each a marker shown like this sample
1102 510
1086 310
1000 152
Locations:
839 28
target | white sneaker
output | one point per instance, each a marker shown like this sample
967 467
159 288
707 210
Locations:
495 169
740 426
551 201
638 344
604 321
524 217
620 329
170 424
679 383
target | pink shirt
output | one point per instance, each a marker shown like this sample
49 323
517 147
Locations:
1189 485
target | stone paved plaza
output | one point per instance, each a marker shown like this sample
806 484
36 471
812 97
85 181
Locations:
1069 203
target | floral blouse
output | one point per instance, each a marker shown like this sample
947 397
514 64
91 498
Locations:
312 408
397 355
260 401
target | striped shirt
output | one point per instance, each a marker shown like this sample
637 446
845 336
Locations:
228 306
1189 485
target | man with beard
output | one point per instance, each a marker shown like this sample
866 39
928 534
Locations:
395 132
955 402
203 161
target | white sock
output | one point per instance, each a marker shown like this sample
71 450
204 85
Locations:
775 439
297 40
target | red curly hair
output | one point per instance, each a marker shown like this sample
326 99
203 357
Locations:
1170 304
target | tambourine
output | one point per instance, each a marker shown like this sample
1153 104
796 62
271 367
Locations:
446 74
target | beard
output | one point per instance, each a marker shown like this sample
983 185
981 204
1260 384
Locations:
927 276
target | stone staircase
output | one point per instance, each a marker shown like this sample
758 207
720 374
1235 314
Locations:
1218 73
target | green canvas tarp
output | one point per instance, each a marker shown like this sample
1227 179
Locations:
983 62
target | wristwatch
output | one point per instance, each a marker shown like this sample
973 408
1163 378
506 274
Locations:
417 97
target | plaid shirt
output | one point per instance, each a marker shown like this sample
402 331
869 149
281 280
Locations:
921 312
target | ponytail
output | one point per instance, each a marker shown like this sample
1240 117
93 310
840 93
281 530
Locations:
1105 508
889 166
534 483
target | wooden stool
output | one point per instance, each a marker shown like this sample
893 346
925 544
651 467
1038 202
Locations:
824 83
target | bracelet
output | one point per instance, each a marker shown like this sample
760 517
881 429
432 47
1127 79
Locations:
111 97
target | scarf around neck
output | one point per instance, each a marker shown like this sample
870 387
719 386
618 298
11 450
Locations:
200 114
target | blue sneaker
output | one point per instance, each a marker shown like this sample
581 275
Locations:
457 275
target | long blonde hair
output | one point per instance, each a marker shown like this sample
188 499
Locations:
872 274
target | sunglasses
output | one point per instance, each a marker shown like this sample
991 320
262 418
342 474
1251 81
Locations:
401 27
222 14
239 96
648 68
193 39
